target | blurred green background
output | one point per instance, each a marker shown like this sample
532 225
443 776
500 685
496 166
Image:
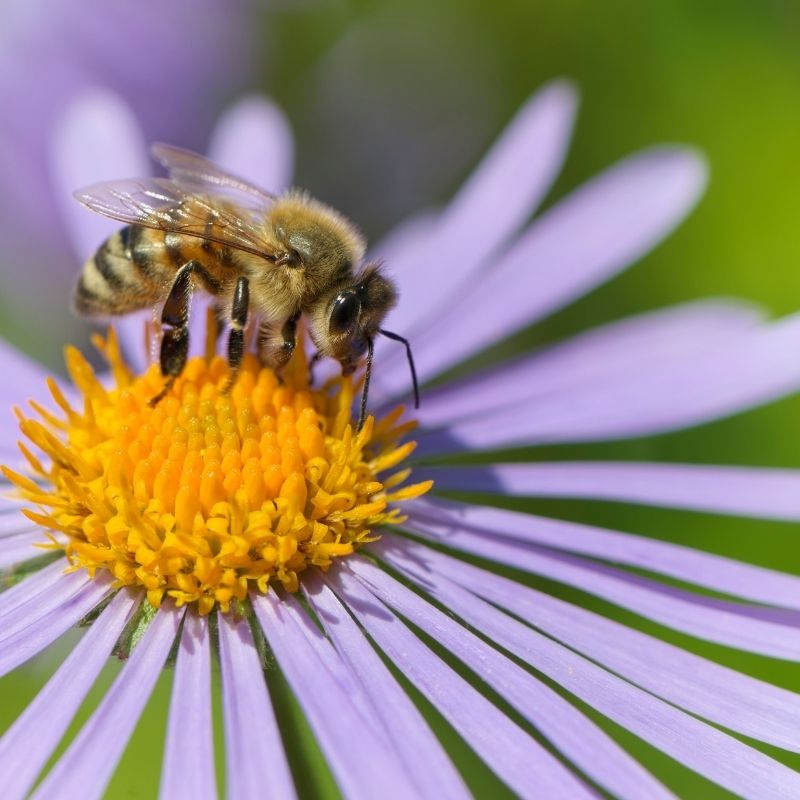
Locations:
393 102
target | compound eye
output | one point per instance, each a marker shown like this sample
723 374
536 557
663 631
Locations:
344 312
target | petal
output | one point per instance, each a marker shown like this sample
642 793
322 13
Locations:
37 583
735 625
506 749
188 769
595 358
743 704
29 381
598 230
691 742
362 771
568 730
254 751
751 370
34 637
89 762
725 575
97 139
253 139
29 742
739 491
498 197
422 754
20 547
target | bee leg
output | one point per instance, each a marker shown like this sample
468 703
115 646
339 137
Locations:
175 319
239 312
277 349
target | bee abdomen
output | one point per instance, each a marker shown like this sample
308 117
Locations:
122 276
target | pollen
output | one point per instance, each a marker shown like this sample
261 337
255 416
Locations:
214 492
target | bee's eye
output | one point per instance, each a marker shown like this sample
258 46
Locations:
344 312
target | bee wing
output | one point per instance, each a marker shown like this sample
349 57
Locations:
165 205
197 174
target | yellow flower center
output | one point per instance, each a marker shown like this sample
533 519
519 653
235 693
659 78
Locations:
210 494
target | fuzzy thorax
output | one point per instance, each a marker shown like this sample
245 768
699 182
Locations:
209 496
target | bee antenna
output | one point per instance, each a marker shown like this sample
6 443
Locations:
362 414
397 338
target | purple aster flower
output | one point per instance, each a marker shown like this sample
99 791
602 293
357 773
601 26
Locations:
185 518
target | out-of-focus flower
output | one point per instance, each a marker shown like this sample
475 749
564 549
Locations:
174 63
175 507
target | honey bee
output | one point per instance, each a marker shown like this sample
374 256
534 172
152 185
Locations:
274 257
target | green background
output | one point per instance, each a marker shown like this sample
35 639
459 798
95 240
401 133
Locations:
393 102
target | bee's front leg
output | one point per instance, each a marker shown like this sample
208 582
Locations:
175 319
277 350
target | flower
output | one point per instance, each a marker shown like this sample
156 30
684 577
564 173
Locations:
437 580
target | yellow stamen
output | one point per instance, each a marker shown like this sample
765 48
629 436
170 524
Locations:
209 495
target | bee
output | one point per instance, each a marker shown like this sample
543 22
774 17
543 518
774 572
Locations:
275 258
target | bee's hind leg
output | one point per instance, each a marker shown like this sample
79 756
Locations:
239 313
175 319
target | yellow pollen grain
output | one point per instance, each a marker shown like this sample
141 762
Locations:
209 495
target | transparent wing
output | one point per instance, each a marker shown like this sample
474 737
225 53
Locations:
198 175
166 205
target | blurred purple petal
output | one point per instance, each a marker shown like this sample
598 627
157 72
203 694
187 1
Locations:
569 731
506 187
87 765
360 773
693 743
37 634
29 381
97 139
422 754
29 587
656 398
580 243
743 704
29 742
506 749
739 491
253 139
724 575
735 625
19 548
188 769
599 356
255 754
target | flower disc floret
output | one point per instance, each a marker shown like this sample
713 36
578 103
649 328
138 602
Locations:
210 493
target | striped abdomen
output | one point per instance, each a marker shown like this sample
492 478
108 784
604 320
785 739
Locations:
129 271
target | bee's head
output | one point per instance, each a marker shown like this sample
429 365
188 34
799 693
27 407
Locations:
354 315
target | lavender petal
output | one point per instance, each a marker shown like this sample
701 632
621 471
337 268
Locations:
20 547
599 356
337 723
580 243
40 581
35 636
726 575
715 383
508 751
255 754
188 769
738 491
88 763
695 744
253 139
770 632
509 183
422 754
29 381
570 732
29 742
